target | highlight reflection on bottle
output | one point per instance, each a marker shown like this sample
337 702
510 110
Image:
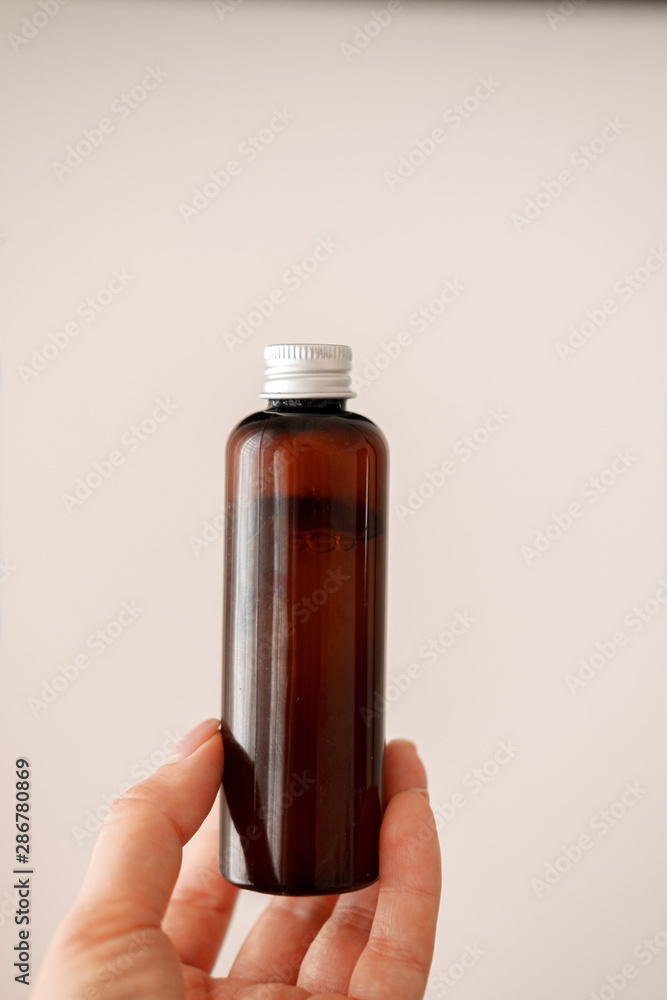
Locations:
304 633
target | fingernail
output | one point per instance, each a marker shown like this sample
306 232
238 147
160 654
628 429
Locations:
400 739
194 739
422 791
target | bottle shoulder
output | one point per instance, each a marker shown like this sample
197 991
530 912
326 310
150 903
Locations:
273 426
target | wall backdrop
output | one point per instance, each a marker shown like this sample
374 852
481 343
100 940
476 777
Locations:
472 196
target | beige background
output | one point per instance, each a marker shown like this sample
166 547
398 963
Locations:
555 83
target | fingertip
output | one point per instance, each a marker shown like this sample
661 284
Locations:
403 768
194 739
202 765
402 739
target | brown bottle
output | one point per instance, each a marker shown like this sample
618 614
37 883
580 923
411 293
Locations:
304 633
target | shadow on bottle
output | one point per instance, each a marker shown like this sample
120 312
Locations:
245 810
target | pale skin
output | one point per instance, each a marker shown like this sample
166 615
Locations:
148 922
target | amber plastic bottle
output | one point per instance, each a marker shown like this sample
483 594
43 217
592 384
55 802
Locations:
304 633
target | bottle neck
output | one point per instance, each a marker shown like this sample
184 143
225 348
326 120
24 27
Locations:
328 405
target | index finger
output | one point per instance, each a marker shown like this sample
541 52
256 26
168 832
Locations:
138 853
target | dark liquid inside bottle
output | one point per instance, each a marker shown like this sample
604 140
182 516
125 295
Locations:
304 651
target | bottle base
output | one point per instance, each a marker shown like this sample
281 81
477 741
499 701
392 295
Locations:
285 890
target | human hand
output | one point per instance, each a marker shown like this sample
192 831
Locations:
139 930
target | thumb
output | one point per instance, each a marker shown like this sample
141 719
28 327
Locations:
138 853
